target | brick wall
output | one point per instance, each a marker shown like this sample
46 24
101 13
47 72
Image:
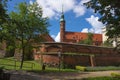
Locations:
80 55
83 60
77 60
107 60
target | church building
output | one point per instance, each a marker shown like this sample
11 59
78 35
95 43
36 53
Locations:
70 53
76 37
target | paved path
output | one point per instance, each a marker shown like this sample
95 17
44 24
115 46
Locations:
58 75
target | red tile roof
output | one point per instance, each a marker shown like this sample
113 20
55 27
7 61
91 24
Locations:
78 36
47 38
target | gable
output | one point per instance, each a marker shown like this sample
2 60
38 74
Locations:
47 38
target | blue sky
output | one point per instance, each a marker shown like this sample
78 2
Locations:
78 18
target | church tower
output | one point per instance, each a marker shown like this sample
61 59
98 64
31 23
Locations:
62 28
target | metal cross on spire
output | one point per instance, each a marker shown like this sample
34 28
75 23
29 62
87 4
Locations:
62 8
62 15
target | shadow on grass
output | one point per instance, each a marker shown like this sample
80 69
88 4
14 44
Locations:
63 74
101 78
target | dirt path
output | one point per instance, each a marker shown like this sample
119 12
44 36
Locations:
59 75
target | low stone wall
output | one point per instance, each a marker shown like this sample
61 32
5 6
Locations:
107 60
77 54
82 60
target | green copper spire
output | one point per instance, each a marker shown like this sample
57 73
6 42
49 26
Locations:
62 16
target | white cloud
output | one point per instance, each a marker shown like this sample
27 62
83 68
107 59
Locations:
79 10
96 25
85 30
84 1
57 38
91 30
53 36
53 8
31 2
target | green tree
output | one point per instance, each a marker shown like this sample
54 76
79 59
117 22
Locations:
3 16
26 24
88 40
110 15
107 43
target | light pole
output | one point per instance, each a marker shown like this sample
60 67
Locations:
59 56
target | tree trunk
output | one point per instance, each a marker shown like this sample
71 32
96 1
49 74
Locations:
23 52
22 57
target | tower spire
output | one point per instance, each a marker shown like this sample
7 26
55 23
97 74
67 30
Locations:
62 27
62 15
62 9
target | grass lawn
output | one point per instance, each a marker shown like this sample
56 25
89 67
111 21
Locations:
11 64
102 78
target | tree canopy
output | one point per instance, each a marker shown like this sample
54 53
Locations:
110 14
88 40
28 22
3 15
24 25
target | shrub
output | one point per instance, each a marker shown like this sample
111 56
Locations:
1 67
101 78
102 68
116 75
81 68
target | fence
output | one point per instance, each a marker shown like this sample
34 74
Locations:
14 64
